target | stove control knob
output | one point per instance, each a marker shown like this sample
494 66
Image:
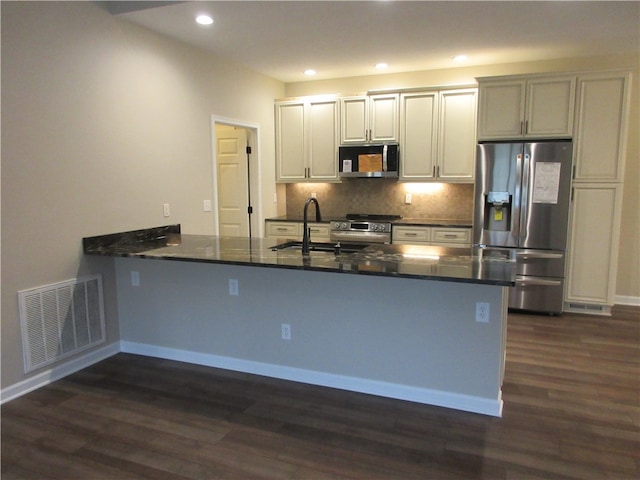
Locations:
374 227
344 225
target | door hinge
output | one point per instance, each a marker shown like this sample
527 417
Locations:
249 209
248 150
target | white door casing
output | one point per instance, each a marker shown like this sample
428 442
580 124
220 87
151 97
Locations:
250 185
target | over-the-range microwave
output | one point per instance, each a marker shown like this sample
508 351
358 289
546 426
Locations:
371 160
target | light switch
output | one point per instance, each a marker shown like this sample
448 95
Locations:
206 205
165 209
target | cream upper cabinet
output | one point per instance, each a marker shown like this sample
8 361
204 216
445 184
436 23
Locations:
290 148
438 135
457 138
593 246
307 140
601 127
537 107
369 118
418 135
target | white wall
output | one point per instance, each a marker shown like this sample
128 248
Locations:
102 123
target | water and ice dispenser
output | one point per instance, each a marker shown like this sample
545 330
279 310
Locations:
497 211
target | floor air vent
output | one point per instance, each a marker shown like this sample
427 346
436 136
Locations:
61 319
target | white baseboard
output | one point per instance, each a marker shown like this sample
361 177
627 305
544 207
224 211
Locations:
57 372
374 387
627 300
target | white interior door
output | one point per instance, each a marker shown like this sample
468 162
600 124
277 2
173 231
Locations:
233 181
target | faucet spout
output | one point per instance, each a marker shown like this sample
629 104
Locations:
306 234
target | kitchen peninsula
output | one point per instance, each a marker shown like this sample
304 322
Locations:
419 323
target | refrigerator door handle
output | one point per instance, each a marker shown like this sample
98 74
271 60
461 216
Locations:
536 282
542 255
525 192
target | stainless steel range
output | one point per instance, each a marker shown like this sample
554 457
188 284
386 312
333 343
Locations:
362 228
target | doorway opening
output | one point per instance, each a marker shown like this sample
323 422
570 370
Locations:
236 179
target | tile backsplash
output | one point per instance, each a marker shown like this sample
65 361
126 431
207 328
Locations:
384 196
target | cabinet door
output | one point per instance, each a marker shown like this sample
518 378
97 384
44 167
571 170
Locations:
593 244
550 107
418 135
501 107
383 118
323 140
457 139
354 119
601 128
290 141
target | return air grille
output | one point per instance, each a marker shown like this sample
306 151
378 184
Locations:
61 319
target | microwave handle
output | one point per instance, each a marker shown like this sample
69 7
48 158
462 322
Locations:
384 158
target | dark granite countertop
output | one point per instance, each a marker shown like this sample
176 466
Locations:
421 222
466 265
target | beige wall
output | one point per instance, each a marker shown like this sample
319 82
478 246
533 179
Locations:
102 123
628 282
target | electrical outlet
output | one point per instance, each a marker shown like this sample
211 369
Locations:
482 312
135 278
234 289
206 205
165 209
314 195
407 198
286 331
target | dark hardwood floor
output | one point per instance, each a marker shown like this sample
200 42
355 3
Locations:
571 393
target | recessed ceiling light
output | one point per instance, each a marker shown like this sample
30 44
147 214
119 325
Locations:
204 20
381 66
460 58
310 72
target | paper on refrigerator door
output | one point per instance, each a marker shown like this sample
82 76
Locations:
546 182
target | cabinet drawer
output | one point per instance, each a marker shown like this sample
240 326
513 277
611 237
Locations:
417 235
282 229
450 235
318 231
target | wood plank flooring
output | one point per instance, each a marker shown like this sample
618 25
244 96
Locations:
572 411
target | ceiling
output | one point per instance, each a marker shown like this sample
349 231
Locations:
346 38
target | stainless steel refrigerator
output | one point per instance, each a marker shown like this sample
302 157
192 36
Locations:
521 210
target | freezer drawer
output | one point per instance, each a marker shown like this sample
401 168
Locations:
540 294
540 263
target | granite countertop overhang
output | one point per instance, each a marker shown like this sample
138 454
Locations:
467 265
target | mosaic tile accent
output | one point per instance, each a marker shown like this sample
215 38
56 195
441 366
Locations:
384 196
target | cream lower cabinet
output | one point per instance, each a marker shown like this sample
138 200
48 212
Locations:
294 230
435 236
593 248
438 135
307 140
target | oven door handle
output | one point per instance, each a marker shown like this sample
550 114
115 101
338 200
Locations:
361 237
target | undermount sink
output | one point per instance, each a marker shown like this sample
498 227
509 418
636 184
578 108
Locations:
320 247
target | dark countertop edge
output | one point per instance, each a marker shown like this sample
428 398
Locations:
306 268
420 222
129 238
